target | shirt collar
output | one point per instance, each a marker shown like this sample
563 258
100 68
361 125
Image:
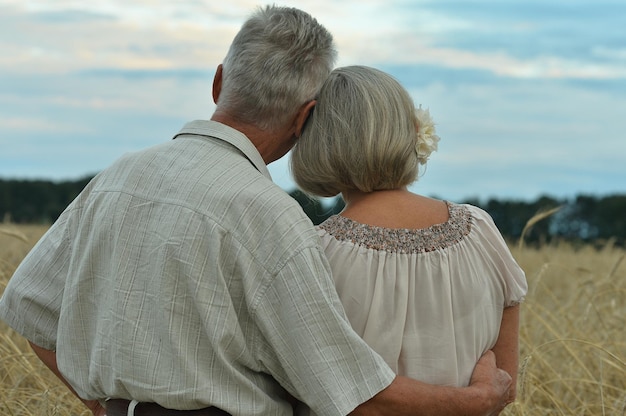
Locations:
216 130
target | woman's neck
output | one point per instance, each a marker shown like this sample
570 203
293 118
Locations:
395 208
356 197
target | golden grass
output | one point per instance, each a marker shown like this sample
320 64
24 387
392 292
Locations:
572 335
27 387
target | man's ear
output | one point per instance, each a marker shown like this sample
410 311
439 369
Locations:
303 115
217 83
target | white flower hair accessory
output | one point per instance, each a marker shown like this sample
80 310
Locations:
427 140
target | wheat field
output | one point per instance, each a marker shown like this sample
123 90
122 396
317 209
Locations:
572 335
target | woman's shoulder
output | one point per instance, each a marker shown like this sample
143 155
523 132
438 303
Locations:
478 216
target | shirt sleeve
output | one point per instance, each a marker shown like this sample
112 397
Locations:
312 350
31 302
512 275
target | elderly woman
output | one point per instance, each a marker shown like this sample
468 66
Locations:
429 284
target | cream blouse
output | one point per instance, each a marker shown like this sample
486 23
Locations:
429 300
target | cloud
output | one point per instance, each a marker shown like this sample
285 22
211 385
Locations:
527 94
148 35
67 40
527 40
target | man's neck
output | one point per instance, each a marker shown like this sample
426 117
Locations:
272 145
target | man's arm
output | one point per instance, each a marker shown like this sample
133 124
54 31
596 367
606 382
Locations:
49 358
486 395
507 346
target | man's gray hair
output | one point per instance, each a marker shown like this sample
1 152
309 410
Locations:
277 62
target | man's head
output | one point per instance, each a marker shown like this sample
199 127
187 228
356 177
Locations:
277 62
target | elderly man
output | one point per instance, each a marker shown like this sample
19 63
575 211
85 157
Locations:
183 281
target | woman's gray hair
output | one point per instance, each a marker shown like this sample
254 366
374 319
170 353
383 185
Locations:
276 63
361 135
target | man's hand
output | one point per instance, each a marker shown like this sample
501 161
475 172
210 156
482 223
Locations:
493 383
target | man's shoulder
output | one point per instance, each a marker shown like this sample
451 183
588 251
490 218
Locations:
269 206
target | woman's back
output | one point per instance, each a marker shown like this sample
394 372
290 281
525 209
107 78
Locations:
426 283
423 282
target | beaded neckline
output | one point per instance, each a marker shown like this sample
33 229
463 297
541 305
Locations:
403 240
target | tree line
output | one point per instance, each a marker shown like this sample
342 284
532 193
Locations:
583 218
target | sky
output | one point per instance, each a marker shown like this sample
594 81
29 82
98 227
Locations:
528 96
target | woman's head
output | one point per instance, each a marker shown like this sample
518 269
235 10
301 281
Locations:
277 61
362 135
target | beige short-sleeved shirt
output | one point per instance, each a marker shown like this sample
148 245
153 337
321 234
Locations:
430 300
182 275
